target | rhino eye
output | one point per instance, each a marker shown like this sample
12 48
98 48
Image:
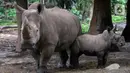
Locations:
37 30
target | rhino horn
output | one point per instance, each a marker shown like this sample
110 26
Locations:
26 30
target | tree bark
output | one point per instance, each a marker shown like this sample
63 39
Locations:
91 11
60 3
101 16
126 31
43 1
23 4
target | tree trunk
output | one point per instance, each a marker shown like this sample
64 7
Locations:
43 1
91 11
126 31
24 4
101 16
60 3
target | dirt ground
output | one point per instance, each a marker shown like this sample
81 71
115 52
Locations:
12 62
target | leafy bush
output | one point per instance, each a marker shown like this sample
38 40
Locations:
2 12
114 2
85 27
11 13
122 1
85 23
31 1
117 19
76 12
9 18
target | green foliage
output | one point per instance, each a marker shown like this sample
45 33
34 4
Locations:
122 1
84 24
115 19
7 16
2 12
118 19
114 2
76 12
85 27
11 13
32 1
83 4
7 22
119 2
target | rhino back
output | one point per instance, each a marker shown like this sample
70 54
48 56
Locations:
33 6
91 43
61 25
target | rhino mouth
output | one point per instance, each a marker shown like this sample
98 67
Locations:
28 46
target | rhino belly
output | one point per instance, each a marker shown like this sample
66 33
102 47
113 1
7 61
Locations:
66 38
63 45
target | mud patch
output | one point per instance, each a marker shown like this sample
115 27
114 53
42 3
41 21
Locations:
12 62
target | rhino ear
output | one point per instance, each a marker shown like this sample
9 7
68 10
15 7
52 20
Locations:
40 8
18 8
108 28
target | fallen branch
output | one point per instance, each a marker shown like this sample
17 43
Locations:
6 27
9 26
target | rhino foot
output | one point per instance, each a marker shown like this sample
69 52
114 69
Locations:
100 67
74 67
62 65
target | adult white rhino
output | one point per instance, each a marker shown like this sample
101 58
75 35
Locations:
45 31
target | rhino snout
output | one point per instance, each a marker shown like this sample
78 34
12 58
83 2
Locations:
26 46
122 44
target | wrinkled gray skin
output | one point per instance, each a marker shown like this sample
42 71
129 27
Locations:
118 43
95 45
45 31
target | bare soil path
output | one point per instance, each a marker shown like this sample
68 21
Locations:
12 62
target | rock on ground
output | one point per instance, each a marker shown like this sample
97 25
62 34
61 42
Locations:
113 67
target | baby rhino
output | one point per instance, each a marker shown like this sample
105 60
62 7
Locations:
94 45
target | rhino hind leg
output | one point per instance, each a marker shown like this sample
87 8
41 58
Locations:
64 57
74 62
74 59
44 58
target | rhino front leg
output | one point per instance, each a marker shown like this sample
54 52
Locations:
44 58
64 58
105 59
36 56
100 56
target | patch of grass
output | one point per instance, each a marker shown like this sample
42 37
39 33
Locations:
7 22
